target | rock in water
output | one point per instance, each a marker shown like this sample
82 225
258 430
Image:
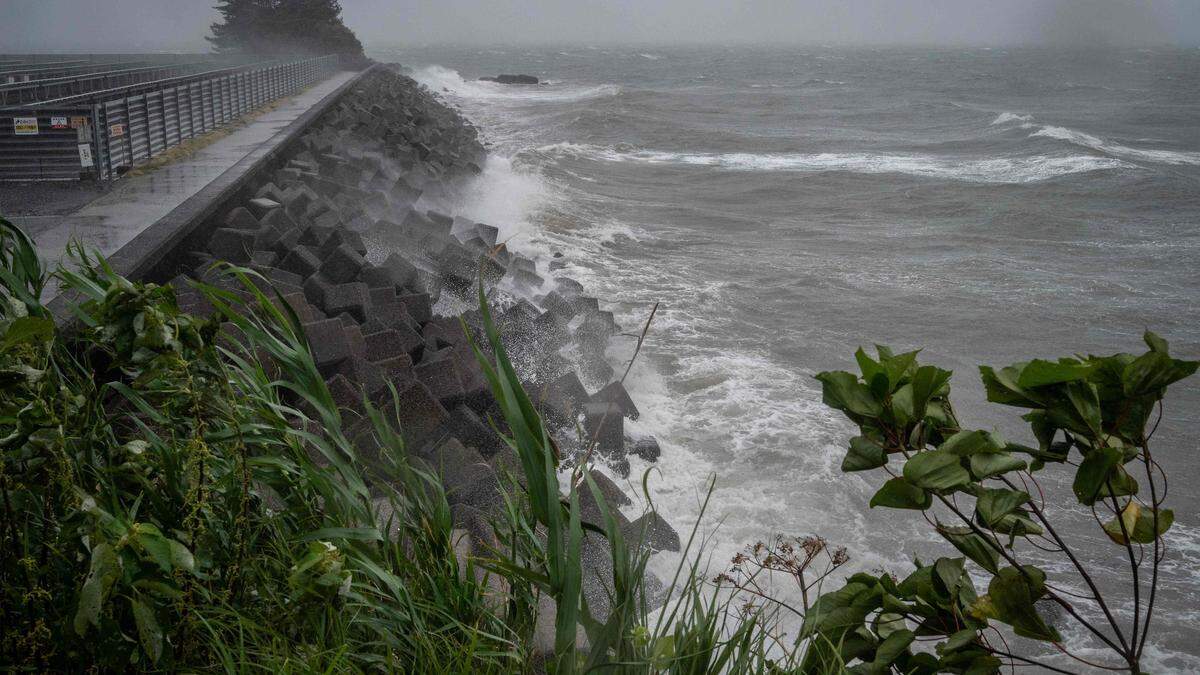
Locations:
511 79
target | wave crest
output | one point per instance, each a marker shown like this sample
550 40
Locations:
441 79
996 170
1095 143
1010 118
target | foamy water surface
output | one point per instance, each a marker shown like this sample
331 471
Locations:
788 206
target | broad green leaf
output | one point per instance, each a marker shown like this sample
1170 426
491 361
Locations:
663 652
928 382
1039 373
103 571
181 557
1139 524
843 391
1013 595
898 493
966 443
1150 373
902 406
992 504
958 640
149 632
994 464
1144 532
1001 387
29 329
886 623
1155 343
935 470
864 454
152 544
892 647
951 572
1086 403
1042 426
1016 524
836 613
973 546
984 664
873 374
1094 471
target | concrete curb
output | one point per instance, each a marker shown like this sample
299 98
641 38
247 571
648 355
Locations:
146 251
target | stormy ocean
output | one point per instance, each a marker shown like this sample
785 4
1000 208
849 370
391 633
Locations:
788 205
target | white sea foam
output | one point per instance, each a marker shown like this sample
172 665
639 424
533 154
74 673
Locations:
652 57
997 170
447 80
1010 117
1096 143
505 197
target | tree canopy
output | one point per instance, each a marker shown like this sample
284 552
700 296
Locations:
284 27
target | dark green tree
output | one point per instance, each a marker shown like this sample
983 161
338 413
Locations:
284 27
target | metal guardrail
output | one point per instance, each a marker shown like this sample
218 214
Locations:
31 92
104 136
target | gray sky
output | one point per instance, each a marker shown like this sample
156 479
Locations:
133 25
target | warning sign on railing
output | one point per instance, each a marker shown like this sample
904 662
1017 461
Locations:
58 122
116 130
25 126
78 122
85 156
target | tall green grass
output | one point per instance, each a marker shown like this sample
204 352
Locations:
181 493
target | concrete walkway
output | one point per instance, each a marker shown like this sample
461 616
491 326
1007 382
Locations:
111 221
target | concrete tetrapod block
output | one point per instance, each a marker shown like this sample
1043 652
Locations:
441 376
269 191
555 302
350 298
261 206
647 448
235 246
364 373
301 260
394 271
343 236
465 424
563 398
417 412
384 345
328 342
653 532
342 264
604 423
417 305
240 219
614 392
569 288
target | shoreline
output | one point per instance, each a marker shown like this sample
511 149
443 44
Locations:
342 232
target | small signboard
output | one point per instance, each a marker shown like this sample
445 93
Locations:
58 122
78 122
25 126
116 130
85 156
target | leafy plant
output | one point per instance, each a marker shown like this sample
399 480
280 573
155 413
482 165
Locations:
1089 413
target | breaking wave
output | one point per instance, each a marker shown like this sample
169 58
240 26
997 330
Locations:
1085 140
996 170
1089 141
1009 118
447 80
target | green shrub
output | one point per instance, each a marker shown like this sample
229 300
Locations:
1090 415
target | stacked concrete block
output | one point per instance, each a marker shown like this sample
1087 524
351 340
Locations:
342 230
